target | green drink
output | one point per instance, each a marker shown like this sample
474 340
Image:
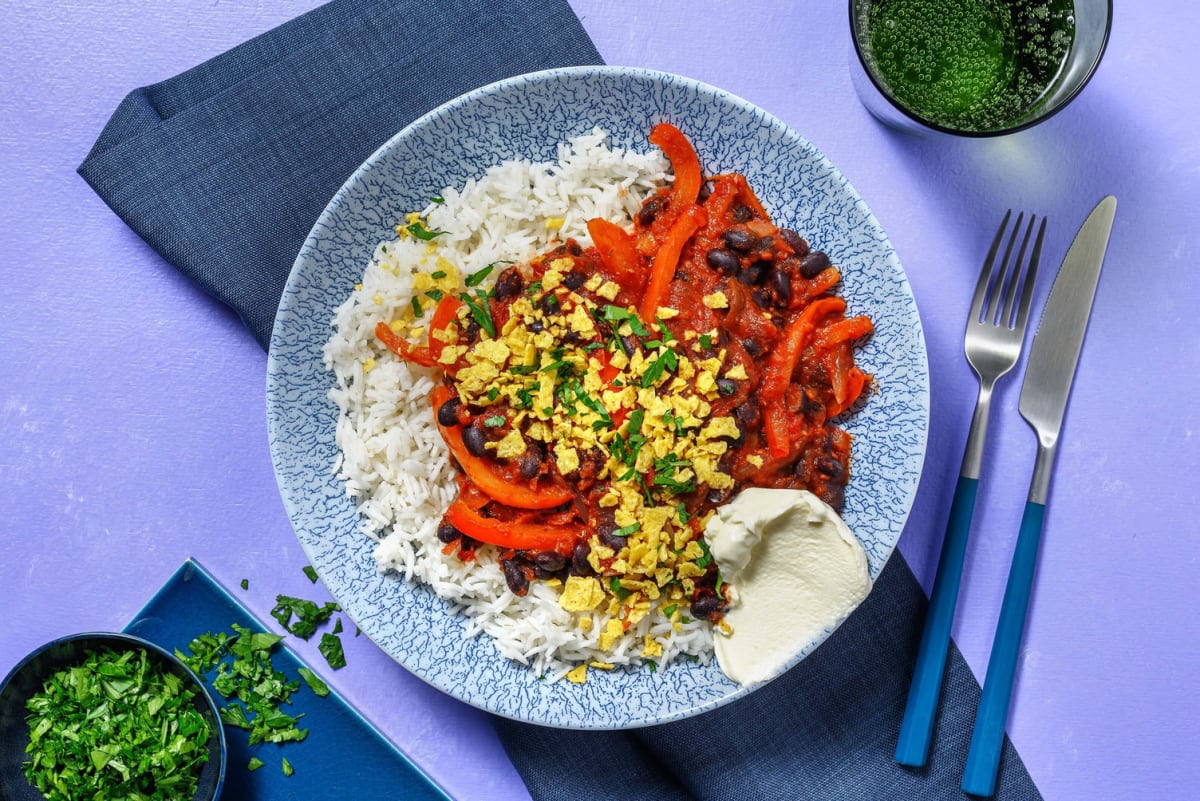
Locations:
966 65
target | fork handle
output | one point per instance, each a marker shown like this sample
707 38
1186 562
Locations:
916 730
983 758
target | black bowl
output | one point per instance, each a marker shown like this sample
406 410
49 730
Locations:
27 678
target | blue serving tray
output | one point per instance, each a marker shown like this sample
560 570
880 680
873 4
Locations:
343 756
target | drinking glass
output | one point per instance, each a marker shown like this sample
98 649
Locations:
974 67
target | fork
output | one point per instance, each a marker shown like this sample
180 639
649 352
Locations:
994 336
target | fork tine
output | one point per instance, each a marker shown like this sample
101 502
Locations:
992 312
1031 275
985 274
1006 316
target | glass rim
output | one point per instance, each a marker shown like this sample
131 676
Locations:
917 118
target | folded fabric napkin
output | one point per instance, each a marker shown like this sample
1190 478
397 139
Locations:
224 169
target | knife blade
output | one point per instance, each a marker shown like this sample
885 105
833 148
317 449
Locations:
1045 391
1054 354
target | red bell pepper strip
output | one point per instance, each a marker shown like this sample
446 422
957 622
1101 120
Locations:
519 536
618 253
843 331
667 259
401 347
443 315
782 363
684 163
488 476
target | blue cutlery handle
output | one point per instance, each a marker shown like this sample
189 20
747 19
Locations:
983 758
916 730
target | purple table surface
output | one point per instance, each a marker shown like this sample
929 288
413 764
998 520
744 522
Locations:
132 406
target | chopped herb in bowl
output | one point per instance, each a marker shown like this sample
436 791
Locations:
108 716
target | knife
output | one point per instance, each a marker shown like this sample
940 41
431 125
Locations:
1044 393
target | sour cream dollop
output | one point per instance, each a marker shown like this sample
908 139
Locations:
796 570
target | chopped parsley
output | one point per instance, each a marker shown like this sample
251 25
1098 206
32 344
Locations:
313 681
311 572
241 670
331 648
479 308
88 724
418 230
495 421
308 614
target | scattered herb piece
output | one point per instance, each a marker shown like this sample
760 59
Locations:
245 584
670 610
480 310
288 770
652 665
706 559
437 199
438 275
495 421
331 648
418 312
254 764
617 589
313 681
476 278
337 626
308 614
625 531
419 230
311 572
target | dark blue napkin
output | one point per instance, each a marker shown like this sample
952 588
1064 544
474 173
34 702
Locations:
224 169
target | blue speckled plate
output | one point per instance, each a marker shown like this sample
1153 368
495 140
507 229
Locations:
526 117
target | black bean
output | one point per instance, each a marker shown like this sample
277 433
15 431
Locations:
726 386
651 209
579 559
475 440
751 274
447 413
723 260
812 264
472 331
835 496
761 298
531 460
549 561
509 284
742 213
831 467
573 280
549 303
447 532
716 496
629 345
794 241
706 606
765 244
574 248
607 538
514 576
781 282
740 239
752 347
537 326
748 414
705 192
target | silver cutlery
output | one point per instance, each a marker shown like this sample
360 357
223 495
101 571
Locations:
1044 393
994 335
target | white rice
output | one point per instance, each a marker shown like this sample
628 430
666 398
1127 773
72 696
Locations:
393 460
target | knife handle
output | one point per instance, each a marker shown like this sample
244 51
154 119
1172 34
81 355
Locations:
983 758
916 730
